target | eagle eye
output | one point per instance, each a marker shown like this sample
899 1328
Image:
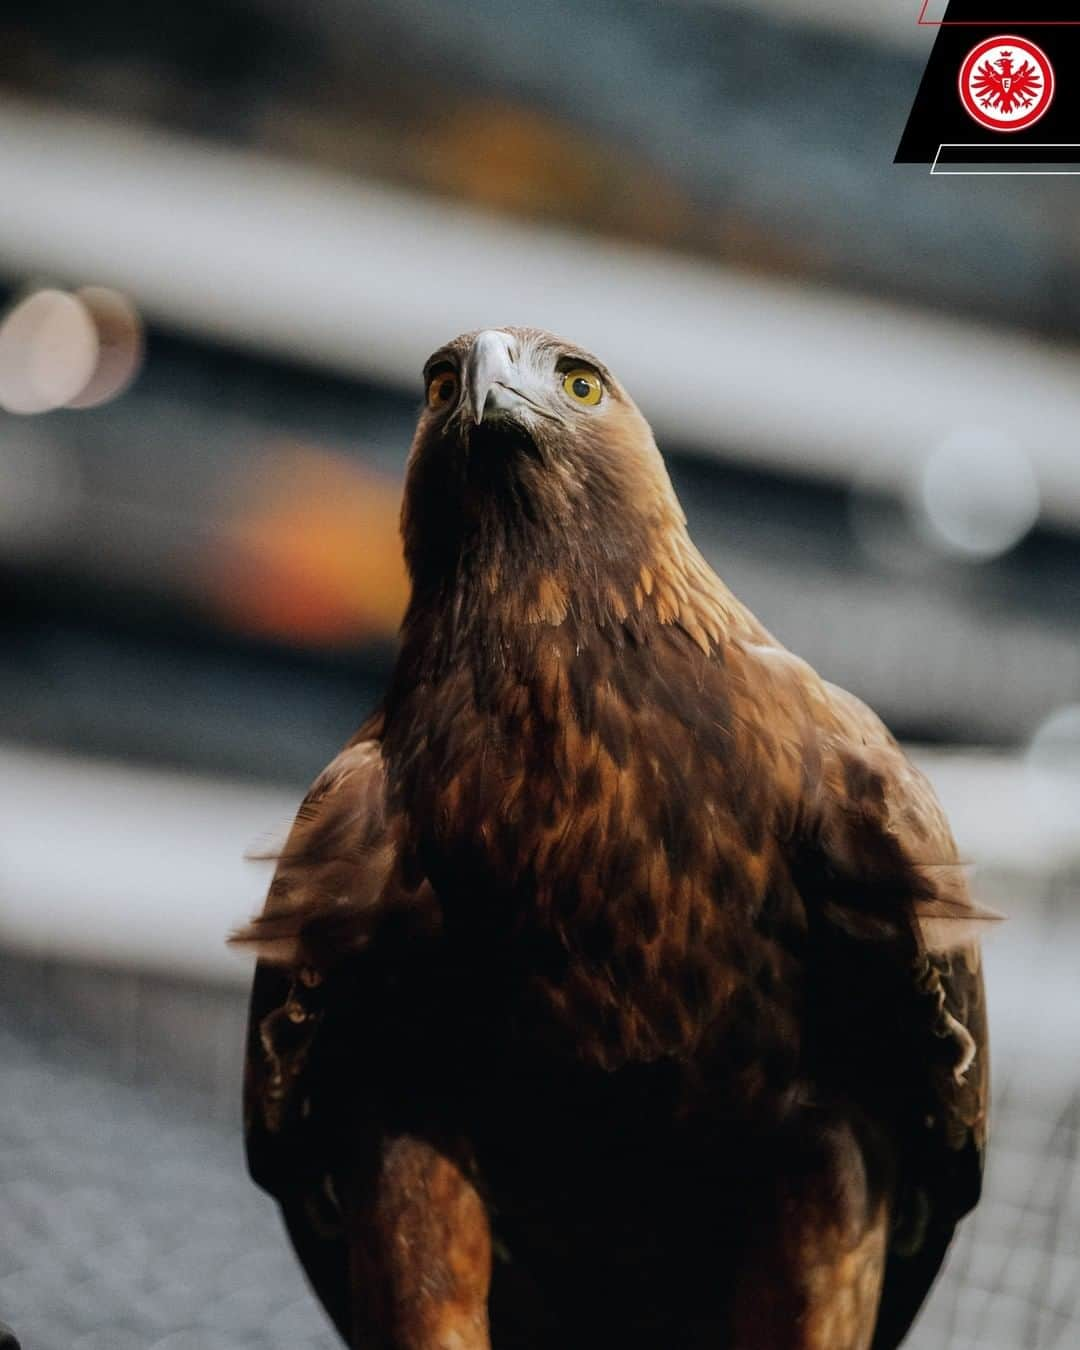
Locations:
583 385
442 388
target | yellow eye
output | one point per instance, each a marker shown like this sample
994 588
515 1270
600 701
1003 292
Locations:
583 385
442 389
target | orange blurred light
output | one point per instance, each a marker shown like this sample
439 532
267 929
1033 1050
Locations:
310 550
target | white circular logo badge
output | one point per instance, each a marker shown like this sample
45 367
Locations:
1006 83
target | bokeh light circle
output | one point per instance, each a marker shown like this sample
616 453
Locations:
48 352
1053 768
120 342
977 494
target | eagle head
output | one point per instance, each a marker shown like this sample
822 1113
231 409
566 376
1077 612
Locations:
529 454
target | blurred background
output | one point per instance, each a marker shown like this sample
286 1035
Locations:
229 236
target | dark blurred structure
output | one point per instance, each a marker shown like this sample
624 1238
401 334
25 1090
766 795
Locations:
763 133
759 142
865 382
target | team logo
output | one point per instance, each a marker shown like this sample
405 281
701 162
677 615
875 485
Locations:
1007 83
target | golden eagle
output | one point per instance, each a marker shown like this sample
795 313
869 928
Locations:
618 983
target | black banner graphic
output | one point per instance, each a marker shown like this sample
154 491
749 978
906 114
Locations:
1001 92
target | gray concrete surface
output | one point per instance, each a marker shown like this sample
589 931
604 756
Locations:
127 1221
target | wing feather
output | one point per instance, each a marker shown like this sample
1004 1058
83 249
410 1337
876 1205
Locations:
339 878
889 856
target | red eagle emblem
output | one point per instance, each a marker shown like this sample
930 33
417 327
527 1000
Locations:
1006 88
1006 83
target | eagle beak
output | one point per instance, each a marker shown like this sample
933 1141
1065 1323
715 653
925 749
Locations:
489 373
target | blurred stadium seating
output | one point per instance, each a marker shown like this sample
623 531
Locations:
865 383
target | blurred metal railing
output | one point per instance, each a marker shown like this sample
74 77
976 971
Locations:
271 255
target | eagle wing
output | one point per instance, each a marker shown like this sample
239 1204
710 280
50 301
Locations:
329 882
338 879
899 991
375 1189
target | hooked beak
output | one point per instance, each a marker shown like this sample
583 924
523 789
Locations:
489 373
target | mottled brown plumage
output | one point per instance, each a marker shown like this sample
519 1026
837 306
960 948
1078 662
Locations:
617 942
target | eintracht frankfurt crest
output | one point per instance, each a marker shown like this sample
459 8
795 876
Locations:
1007 83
